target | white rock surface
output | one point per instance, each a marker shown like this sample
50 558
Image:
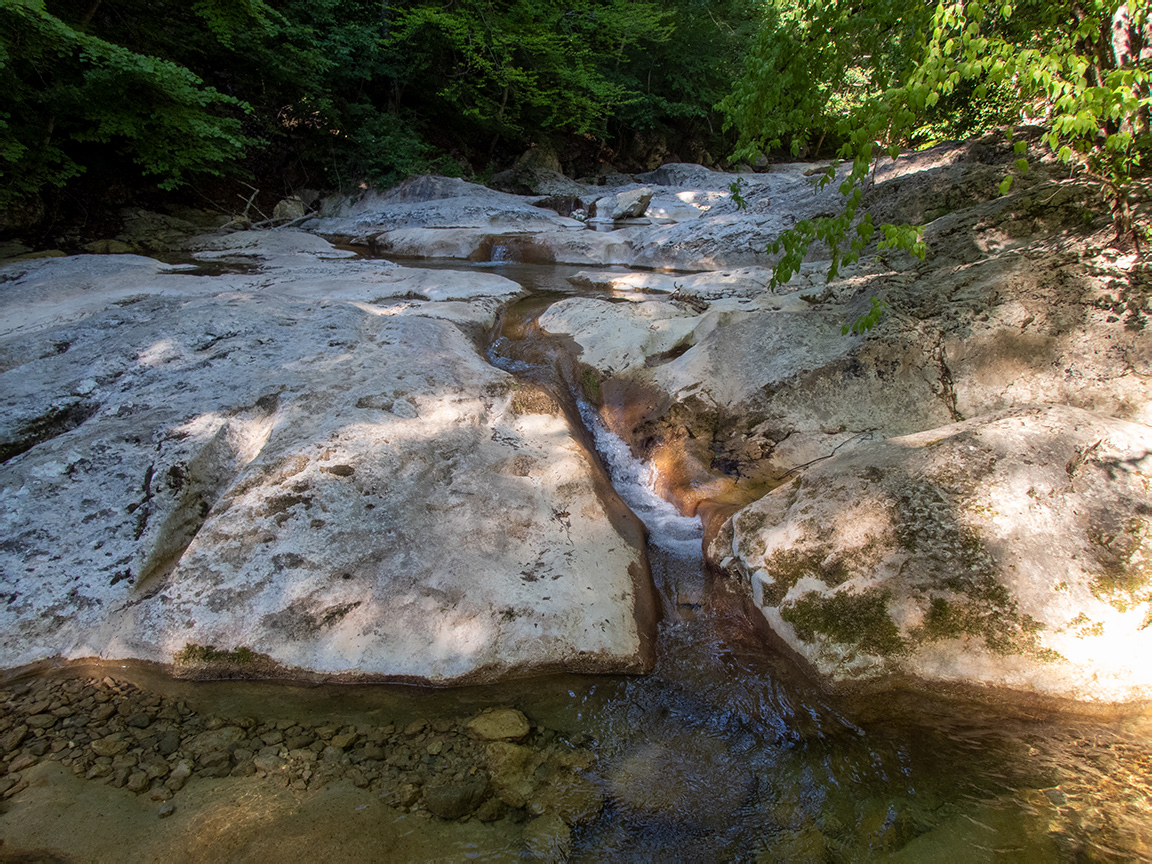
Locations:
629 204
1010 551
435 202
308 461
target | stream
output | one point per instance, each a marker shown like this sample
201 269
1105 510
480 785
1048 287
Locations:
724 752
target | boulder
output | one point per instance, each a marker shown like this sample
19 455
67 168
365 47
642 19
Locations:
629 204
288 209
312 463
437 203
1008 551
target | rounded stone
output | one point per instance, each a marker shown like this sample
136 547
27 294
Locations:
501 724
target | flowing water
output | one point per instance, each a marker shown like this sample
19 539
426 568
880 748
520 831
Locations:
726 751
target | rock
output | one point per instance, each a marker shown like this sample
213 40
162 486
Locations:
166 810
10 249
98 771
112 745
214 760
12 739
137 782
269 763
513 772
1008 551
685 174
168 742
24 760
358 779
452 799
344 741
565 205
491 810
572 797
438 203
547 838
13 791
108 247
288 209
630 204
179 776
298 742
259 399
220 740
499 724
147 231
154 768
405 795
41 254
242 769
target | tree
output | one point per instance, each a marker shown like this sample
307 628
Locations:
67 90
1057 59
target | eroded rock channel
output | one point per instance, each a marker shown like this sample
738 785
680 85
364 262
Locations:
313 467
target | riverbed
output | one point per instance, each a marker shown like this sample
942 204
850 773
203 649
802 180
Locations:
725 751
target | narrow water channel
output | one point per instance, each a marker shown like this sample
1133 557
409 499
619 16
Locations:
725 752
742 758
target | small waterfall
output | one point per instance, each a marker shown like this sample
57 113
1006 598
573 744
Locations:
677 535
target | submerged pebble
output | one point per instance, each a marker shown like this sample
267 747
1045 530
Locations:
122 735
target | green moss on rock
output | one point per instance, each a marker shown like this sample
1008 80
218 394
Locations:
853 619
1125 575
192 653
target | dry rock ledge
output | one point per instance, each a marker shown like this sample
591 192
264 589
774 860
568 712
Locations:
310 468
1012 550
312 462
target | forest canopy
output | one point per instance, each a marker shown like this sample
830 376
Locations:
125 95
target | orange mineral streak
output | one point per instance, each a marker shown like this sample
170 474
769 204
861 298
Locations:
683 474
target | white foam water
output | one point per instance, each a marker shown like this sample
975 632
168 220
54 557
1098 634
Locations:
679 536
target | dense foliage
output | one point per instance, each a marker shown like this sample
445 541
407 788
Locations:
335 92
123 94
878 75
